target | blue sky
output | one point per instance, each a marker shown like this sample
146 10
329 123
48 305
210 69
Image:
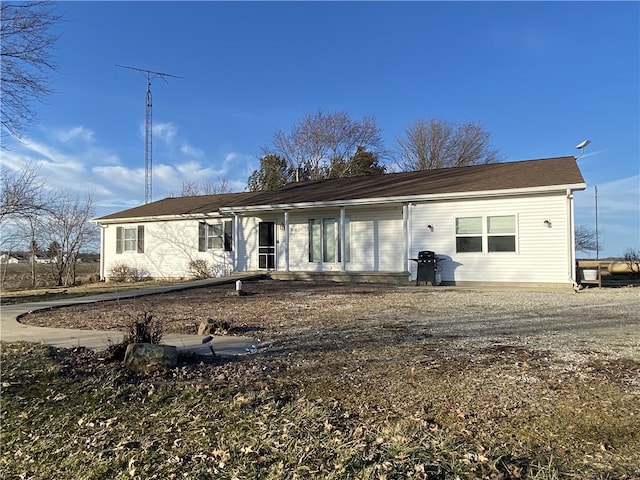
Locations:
540 76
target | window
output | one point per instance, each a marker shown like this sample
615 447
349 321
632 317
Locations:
324 240
469 234
130 239
215 236
499 235
501 231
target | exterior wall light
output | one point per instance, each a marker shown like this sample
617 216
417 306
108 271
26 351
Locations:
547 223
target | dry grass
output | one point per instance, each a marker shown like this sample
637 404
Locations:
17 277
355 381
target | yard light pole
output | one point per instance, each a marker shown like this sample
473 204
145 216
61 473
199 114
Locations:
581 147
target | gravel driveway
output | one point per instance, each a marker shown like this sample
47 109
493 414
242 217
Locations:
570 325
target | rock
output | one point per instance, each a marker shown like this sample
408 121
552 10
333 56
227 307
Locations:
236 293
213 327
207 327
145 357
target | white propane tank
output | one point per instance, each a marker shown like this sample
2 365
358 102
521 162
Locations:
238 285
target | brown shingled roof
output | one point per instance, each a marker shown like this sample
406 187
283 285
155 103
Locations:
477 178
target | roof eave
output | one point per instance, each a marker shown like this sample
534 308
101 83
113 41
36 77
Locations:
345 203
155 218
404 199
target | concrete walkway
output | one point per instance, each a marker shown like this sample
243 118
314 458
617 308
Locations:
11 330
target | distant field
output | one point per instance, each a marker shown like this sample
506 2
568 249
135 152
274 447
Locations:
18 276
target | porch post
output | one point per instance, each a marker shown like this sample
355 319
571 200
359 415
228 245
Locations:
286 240
343 260
405 236
236 240
103 250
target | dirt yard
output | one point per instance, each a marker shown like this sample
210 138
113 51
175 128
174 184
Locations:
564 324
529 377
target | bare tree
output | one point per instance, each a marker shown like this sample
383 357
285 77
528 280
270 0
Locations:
23 199
192 188
439 144
21 192
26 44
586 239
68 227
631 257
321 141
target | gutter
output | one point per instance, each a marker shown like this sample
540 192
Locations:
404 199
230 211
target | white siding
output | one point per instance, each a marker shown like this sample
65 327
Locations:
376 240
168 249
542 253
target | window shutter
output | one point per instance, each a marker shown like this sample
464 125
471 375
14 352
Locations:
119 240
228 236
202 237
140 238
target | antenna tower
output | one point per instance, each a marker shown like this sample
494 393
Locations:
148 128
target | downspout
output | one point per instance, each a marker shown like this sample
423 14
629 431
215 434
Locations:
409 235
286 240
572 236
343 260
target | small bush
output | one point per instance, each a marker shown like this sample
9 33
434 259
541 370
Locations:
120 272
142 329
123 272
199 269
139 275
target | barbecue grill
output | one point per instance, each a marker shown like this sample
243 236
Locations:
427 264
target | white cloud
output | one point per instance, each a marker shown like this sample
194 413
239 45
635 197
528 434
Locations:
190 151
74 133
70 158
194 170
165 131
120 177
618 197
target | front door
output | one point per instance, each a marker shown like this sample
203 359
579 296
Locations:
266 245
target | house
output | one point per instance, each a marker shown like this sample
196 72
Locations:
7 258
509 222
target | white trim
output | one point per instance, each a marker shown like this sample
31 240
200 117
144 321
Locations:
341 236
408 198
286 240
225 211
572 236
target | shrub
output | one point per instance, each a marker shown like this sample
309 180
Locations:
142 329
123 272
120 272
199 269
139 275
